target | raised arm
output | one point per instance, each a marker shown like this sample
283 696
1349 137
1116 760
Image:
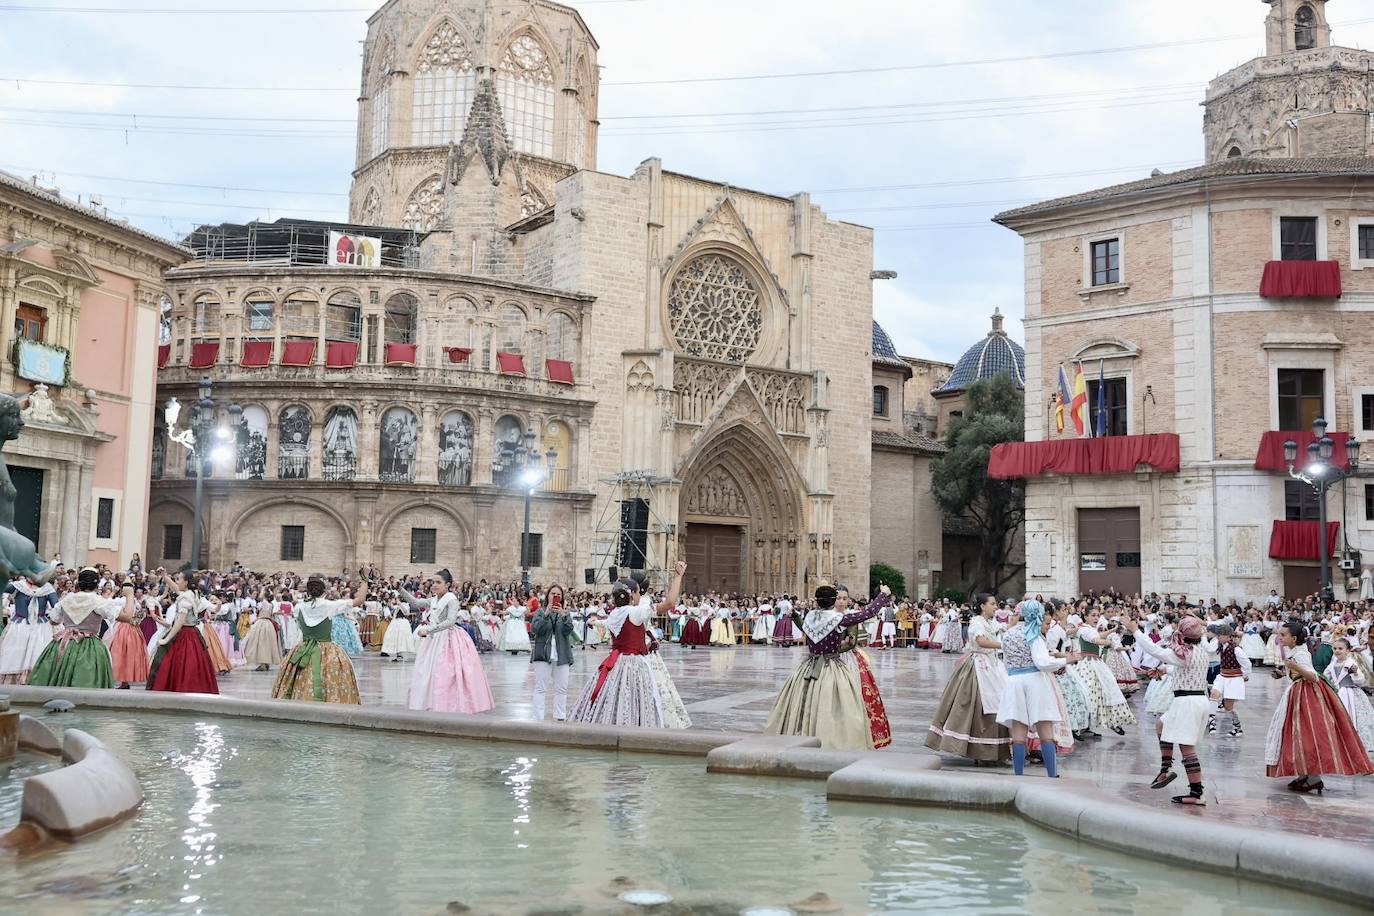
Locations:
418 604
360 596
674 590
1162 651
872 609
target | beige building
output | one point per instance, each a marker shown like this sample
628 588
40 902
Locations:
676 340
78 319
1222 308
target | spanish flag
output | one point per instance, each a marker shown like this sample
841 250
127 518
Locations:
1078 407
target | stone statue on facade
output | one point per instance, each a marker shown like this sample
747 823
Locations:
18 556
40 408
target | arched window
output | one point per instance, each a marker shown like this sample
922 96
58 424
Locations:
558 437
251 461
293 443
425 209
879 400
164 311
525 84
257 312
560 339
205 313
159 452
381 102
581 121
455 449
371 212
401 312
458 328
1233 153
398 445
510 329
343 317
300 314
340 444
714 310
1304 35
508 436
445 82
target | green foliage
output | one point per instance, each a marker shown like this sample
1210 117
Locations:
956 595
995 413
891 576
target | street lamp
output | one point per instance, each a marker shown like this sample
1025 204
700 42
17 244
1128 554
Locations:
530 475
1320 475
198 440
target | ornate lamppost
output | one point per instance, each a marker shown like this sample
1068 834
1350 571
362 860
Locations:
196 438
532 473
1320 475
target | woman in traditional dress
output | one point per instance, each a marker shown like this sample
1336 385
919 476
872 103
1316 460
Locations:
765 622
128 648
878 726
317 669
632 685
1311 733
76 657
1077 714
965 722
209 610
1029 702
29 630
1184 722
400 640
379 634
1273 643
448 674
1119 663
1109 707
183 663
824 697
784 629
345 633
1348 674
1251 643
514 637
696 633
262 646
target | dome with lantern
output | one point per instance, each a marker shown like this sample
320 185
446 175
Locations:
996 354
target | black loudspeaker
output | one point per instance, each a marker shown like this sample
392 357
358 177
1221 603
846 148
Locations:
590 575
615 574
634 533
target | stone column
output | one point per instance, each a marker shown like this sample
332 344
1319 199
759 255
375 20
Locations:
582 466
427 451
482 447
319 335
69 537
273 444
368 458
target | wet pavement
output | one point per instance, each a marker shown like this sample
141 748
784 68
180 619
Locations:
733 689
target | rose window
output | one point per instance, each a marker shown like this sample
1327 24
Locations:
714 310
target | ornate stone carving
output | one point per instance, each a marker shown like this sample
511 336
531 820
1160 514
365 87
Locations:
714 309
524 59
783 396
41 409
370 214
717 494
791 560
425 209
698 387
665 410
445 50
640 376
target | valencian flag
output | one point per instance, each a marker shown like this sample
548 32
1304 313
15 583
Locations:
1078 407
1061 400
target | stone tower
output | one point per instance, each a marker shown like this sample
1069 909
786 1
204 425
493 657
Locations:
1305 98
469 112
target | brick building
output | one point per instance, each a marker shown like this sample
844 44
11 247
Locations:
676 340
1223 308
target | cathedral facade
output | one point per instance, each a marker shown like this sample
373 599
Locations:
687 362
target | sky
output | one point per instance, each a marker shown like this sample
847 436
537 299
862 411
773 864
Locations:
978 106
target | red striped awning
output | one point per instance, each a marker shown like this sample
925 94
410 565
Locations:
257 354
400 354
341 354
204 355
164 353
298 353
458 354
559 371
510 363
1298 540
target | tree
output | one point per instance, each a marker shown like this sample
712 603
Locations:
995 413
891 576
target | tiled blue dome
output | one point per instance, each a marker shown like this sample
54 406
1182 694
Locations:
993 355
883 349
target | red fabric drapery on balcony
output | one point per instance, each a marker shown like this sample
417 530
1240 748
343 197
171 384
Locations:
256 354
1298 540
458 354
341 354
400 354
164 353
1270 454
1108 455
204 355
298 353
559 371
510 363
1301 280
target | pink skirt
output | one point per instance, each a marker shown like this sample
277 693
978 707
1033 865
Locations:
448 675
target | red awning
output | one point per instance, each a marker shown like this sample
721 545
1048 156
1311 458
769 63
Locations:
164 353
559 371
256 354
458 354
400 354
1298 540
1107 455
1270 454
204 355
298 353
341 354
1301 280
510 363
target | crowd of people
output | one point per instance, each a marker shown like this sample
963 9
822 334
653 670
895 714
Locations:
1033 680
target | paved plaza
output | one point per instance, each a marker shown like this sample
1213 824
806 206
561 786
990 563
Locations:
733 689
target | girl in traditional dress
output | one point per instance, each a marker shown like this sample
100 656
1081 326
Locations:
878 725
372 613
965 721
784 630
1077 712
209 610
1232 674
1029 702
824 697
262 646
379 635
1347 673
1311 733
1251 643
1273 643
764 623
76 657
182 662
1183 722
28 632
1120 664
128 650
345 633
632 686
514 637
722 628
448 674
697 631
317 669
1108 703
399 640
286 620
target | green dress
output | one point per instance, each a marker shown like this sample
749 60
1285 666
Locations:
76 657
317 669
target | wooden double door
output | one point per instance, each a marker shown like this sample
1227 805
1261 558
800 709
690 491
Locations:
715 559
1109 550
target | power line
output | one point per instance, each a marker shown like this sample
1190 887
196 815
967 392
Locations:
162 10
48 170
1001 180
